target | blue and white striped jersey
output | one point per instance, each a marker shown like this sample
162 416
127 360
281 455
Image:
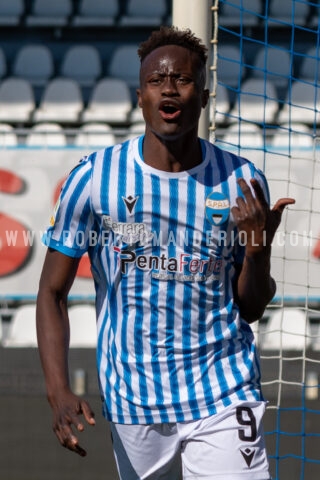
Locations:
171 343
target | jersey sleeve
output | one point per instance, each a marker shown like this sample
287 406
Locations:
72 221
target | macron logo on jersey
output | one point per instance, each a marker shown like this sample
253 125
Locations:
130 203
248 455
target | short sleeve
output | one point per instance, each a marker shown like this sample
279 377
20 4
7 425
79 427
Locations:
72 221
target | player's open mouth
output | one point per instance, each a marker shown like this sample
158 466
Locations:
169 111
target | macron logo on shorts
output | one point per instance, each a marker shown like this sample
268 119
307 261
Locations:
248 455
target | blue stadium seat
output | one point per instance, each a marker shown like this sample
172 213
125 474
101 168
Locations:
144 13
81 63
11 12
34 63
49 14
96 13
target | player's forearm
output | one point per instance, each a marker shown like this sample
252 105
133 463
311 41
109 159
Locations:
255 286
53 341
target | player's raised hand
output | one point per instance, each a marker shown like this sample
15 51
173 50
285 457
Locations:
67 409
254 218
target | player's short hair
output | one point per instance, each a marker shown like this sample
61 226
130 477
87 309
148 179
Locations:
170 35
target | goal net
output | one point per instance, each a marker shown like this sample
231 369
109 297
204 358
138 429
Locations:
265 102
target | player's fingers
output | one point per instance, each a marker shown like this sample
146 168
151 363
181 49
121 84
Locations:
259 192
282 203
88 413
69 440
247 193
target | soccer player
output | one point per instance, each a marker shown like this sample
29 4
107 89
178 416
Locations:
179 236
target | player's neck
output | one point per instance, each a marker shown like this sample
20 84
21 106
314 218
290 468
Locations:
174 155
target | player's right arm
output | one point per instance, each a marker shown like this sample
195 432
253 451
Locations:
57 276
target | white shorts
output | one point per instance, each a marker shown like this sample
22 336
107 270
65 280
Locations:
229 445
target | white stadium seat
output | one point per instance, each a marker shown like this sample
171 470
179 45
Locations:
22 330
110 102
257 101
222 104
83 330
8 137
135 130
287 329
46 135
61 102
16 100
302 104
95 135
289 136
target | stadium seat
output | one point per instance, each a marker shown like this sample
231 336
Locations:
144 13
46 135
95 135
81 63
34 63
11 12
257 101
243 135
8 137
302 104
22 329
125 65
229 65
310 68
244 139
273 64
96 13
286 329
135 130
110 102
83 330
16 100
222 104
245 12
282 14
289 136
314 20
136 115
61 102
3 64
49 14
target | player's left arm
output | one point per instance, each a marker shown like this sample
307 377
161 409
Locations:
254 287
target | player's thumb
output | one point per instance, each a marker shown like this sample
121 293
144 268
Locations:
282 203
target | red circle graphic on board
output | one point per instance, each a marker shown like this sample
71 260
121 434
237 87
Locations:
10 182
15 247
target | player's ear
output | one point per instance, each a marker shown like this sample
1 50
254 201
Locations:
138 92
205 98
